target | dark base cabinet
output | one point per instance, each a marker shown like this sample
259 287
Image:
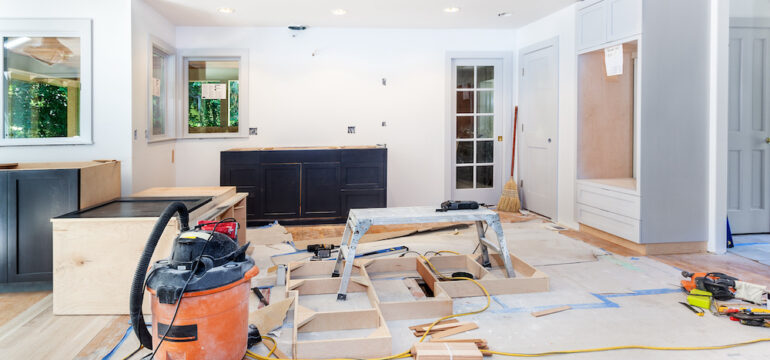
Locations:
30 195
306 186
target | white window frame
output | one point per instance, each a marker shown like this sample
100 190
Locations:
170 95
240 55
80 28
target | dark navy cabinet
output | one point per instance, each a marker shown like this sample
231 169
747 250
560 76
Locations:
307 185
28 201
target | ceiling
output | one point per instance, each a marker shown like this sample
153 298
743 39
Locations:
360 13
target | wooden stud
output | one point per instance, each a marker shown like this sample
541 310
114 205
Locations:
550 311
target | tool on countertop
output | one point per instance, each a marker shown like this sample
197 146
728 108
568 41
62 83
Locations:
451 205
697 310
199 294
721 286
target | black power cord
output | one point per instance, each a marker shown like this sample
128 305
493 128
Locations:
192 273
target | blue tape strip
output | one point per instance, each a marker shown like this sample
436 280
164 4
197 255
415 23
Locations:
750 244
122 340
604 298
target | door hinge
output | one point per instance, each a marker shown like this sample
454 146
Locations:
522 127
521 183
522 71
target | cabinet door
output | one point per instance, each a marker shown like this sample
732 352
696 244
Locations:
34 197
245 179
362 199
625 18
591 26
281 190
321 190
3 226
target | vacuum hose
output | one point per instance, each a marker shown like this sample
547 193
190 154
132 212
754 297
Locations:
137 287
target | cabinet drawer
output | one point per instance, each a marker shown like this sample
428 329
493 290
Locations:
608 200
618 225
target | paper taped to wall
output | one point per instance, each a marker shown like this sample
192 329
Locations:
613 60
214 91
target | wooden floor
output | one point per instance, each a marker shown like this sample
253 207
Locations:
29 330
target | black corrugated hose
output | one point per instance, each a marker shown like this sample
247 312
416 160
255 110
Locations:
137 287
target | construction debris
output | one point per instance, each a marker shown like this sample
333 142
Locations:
445 351
550 311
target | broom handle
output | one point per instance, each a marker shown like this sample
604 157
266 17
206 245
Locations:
515 122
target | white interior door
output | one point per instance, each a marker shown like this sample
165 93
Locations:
538 112
748 160
477 120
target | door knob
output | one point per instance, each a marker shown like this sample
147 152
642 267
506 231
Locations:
767 140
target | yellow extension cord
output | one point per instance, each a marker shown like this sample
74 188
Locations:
407 353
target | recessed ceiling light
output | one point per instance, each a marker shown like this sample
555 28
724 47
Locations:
226 10
339 12
504 14
452 9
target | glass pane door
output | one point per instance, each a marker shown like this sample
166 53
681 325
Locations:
475 127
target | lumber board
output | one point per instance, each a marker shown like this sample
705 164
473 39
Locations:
322 286
550 311
445 351
25 316
453 331
213 191
420 326
442 326
340 320
99 183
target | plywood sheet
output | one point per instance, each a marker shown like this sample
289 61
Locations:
605 117
99 183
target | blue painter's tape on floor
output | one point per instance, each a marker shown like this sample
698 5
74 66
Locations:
604 298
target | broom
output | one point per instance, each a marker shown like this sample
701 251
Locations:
509 200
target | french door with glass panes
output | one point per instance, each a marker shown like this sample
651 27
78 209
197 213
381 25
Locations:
477 107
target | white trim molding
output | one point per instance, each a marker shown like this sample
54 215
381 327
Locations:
240 55
80 28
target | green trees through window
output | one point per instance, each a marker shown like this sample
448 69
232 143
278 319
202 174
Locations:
36 110
207 115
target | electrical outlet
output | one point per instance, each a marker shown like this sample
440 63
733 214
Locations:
351 129
383 124
253 131
135 132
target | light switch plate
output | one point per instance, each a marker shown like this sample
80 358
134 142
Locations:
351 129
253 131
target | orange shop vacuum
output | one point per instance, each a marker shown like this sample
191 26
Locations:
200 293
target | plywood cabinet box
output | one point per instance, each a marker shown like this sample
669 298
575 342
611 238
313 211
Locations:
309 185
95 254
33 193
641 181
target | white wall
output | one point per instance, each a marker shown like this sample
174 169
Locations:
152 163
111 82
300 99
750 8
561 24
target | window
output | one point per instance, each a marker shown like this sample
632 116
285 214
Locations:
45 92
161 92
213 87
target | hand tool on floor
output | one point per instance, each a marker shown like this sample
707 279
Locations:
698 311
509 200
200 293
257 291
383 252
721 286
321 251
700 298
